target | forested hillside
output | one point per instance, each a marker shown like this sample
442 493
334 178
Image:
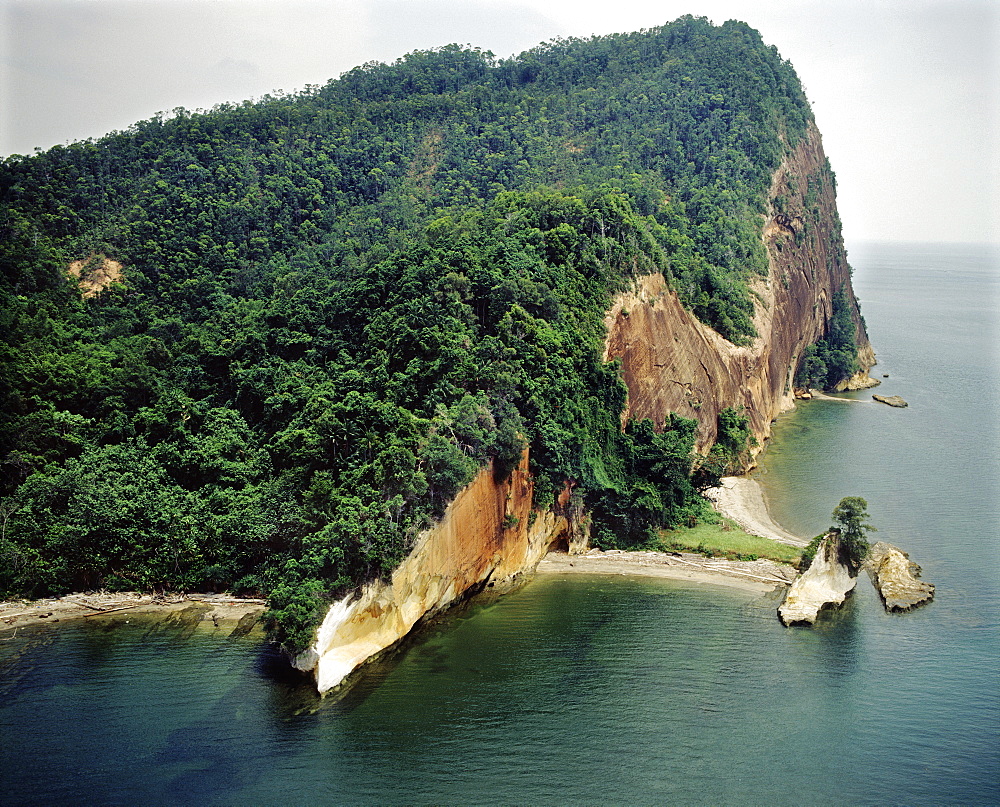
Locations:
261 347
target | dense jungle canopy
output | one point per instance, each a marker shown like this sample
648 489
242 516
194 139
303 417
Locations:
331 308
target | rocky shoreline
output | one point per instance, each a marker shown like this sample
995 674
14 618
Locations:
757 575
221 610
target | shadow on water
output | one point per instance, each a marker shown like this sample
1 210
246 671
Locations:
224 750
21 656
293 693
832 643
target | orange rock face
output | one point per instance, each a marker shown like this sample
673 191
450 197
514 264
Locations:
488 534
484 532
671 362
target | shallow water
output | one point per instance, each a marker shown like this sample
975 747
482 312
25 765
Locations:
605 689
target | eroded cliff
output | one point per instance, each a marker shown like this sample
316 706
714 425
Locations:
489 535
671 362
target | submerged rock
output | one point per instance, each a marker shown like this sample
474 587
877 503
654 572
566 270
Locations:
891 400
825 584
894 576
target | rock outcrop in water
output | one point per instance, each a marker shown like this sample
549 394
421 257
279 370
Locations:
825 584
895 577
891 400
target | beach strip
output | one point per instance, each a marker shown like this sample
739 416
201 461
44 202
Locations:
219 608
741 499
756 575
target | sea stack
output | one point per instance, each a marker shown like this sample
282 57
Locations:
825 584
895 577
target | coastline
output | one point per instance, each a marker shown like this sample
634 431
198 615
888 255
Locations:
758 575
741 499
822 396
217 609
738 498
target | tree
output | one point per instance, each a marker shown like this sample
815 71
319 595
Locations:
339 306
850 514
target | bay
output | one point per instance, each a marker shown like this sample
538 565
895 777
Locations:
597 689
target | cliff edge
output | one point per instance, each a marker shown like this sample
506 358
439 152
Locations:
489 535
671 362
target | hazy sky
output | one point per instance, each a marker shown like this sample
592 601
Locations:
906 92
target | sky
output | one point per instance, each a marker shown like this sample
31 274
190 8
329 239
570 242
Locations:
905 92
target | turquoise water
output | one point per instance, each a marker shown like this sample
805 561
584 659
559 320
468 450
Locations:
609 690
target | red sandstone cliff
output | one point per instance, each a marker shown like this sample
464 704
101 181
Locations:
671 362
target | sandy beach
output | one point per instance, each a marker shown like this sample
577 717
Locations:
757 575
741 499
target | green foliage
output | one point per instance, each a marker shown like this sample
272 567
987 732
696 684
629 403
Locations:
716 536
733 443
850 514
834 358
852 529
809 553
338 305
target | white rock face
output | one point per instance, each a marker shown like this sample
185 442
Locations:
488 535
826 583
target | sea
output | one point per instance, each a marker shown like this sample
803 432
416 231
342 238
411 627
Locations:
610 690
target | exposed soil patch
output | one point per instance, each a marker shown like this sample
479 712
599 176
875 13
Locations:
95 273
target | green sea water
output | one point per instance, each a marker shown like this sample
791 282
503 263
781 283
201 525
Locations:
610 690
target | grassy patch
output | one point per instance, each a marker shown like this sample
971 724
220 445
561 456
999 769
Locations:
725 539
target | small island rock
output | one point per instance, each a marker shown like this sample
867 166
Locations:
825 584
894 576
891 400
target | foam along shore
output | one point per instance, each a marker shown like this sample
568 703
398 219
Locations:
822 396
757 575
219 609
741 499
